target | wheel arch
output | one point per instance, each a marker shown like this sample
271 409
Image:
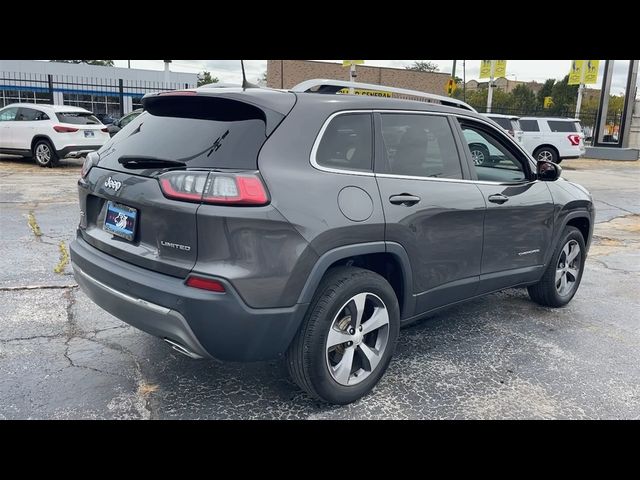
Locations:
549 146
389 259
582 220
41 136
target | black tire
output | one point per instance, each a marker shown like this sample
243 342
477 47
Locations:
480 154
545 292
546 153
44 154
307 358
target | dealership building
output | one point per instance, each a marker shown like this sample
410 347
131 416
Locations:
99 89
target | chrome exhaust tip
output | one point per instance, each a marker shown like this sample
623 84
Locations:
183 350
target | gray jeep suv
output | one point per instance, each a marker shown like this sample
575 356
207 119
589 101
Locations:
248 224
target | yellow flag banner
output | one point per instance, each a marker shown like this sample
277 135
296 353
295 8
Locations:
485 68
575 74
591 71
348 63
501 69
548 102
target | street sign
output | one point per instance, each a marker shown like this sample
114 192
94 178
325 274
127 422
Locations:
485 68
500 69
451 86
548 102
591 71
369 93
348 63
575 74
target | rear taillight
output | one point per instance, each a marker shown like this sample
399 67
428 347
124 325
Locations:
105 130
214 188
61 129
205 284
90 161
574 139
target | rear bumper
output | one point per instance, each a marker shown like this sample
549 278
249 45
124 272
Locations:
206 324
77 150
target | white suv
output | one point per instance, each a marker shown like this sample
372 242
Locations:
49 132
552 139
510 123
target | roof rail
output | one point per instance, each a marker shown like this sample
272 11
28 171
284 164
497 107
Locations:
308 85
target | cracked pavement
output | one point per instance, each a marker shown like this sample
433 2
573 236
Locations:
500 356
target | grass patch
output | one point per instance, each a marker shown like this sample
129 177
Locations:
33 224
64 258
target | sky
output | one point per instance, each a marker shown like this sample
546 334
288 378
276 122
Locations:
538 70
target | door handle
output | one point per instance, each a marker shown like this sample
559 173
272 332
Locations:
498 198
404 199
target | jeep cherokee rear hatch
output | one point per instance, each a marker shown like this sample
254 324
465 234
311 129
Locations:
141 192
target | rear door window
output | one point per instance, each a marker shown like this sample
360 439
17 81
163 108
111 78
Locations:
347 143
77 118
30 115
563 126
529 125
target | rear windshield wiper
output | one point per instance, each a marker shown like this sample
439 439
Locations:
149 162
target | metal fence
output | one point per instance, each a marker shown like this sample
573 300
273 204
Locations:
98 95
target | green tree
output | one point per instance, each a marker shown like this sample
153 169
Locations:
205 78
564 97
523 100
422 66
104 63
545 91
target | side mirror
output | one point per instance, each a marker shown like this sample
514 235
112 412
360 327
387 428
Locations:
548 171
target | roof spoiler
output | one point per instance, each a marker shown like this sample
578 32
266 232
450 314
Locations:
324 85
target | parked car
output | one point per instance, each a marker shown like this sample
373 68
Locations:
105 118
119 124
510 123
246 224
49 132
552 139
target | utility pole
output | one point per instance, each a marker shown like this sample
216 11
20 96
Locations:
453 77
128 63
464 80
352 77
490 93
581 88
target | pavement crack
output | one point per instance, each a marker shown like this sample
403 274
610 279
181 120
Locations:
33 337
38 287
604 264
615 206
33 224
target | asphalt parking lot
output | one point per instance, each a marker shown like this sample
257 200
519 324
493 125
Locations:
501 356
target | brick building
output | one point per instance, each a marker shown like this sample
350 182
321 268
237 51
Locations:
287 73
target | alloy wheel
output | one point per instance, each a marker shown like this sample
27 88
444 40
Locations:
568 268
43 153
357 339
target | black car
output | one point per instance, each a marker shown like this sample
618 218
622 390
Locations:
105 118
119 124
247 224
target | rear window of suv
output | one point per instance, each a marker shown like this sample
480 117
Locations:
77 118
503 122
201 133
529 125
564 126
